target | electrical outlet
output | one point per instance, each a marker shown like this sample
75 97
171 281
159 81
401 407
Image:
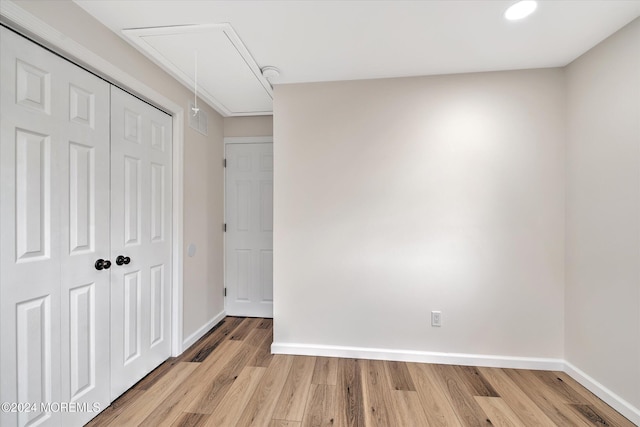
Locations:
436 318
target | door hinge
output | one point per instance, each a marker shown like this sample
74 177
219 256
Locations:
225 292
224 227
224 163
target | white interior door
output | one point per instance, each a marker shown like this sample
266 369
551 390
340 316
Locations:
53 226
141 234
84 182
249 236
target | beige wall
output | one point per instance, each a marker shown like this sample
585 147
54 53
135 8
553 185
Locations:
248 126
400 196
203 184
603 214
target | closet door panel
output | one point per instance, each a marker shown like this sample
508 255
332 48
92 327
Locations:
29 230
141 232
54 224
85 233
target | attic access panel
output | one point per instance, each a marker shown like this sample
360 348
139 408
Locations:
228 77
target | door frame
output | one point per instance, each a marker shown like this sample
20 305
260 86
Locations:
234 140
18 19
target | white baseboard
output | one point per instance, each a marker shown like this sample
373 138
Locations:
420 356
191 339
615 401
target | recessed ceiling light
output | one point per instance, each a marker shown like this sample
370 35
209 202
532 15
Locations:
520 10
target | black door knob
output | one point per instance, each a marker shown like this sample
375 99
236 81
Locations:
99 265
106 264
121 259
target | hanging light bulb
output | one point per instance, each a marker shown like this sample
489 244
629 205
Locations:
195 108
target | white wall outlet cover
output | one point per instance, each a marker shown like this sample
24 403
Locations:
436 318
191 250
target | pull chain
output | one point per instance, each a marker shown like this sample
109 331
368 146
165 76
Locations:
195 87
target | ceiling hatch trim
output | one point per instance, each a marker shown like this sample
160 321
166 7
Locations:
233 83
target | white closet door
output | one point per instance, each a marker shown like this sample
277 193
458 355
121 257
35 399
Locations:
249 237
141 233
54 142
85 233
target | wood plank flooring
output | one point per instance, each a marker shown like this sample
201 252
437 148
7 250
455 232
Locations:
230 378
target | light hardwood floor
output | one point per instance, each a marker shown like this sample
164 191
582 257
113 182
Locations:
229 378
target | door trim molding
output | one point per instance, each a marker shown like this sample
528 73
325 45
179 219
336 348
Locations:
12 15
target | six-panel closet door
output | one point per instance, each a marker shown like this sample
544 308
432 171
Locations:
54 225
85 237
141 237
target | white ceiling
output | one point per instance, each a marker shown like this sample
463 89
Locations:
229 80
312 41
